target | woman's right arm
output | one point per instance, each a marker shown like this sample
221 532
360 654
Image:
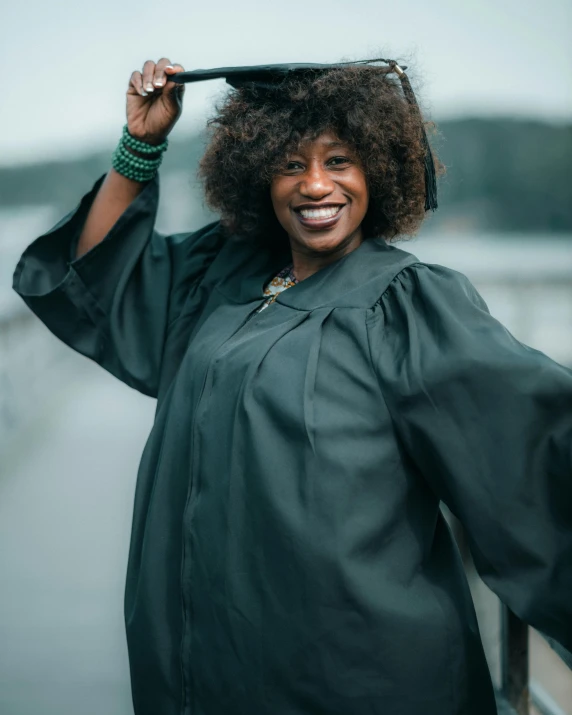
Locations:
153 107
115 303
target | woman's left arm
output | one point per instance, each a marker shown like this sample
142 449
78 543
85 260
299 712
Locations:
488 422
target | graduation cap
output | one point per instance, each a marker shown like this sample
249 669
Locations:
271 76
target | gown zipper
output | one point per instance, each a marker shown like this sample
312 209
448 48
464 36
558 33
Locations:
185 701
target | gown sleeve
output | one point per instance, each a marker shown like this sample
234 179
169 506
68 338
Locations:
115 303
488 422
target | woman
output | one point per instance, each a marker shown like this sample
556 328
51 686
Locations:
288 553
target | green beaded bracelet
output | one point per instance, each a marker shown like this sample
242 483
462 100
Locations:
141 146
135 174
138 161
137 168
132 172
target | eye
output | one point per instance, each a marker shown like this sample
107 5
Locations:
339 161
292 166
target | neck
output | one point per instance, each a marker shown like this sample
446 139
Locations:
306 262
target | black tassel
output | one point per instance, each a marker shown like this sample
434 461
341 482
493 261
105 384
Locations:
430 176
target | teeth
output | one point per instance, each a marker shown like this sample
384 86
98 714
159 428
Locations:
320 213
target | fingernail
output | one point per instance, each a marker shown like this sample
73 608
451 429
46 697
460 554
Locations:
158 82
169 67
149 87
143 93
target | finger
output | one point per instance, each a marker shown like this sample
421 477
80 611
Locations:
159 77
148 71
172 86
174 68
136 84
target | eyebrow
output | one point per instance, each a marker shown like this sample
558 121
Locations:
328 145
332 144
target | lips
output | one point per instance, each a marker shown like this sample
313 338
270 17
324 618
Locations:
319 217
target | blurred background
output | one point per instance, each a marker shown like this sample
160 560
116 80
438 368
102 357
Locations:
495 76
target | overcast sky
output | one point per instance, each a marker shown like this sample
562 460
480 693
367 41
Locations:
66 64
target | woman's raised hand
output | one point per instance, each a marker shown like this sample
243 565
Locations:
154 104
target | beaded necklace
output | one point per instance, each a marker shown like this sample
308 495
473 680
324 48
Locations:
283 280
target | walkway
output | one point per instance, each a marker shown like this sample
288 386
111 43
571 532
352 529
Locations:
66 493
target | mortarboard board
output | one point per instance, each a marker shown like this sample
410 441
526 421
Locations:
270 77
262 74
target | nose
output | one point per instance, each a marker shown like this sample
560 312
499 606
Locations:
316 183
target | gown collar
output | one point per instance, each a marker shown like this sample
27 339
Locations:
355 280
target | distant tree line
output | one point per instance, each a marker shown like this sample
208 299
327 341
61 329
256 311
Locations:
502 174
509 175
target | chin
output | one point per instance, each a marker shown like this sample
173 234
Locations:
326 242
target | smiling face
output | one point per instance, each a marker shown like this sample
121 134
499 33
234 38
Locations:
320 198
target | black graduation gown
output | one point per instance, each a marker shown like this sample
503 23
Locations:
288 554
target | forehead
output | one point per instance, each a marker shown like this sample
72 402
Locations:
323 142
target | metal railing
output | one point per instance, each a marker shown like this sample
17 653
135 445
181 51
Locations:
516 691
514 662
